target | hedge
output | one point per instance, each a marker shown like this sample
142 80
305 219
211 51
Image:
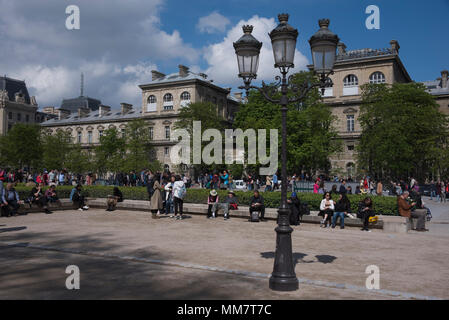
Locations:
382 205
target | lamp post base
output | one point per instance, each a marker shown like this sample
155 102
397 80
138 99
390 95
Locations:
283 277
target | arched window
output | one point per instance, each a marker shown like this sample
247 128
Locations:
151 99
350 85
350 80
151 105
168 97
185 96
377 77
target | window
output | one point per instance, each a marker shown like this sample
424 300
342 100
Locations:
350 122
151 99
9 126
214 100
167 132
19 117
328 90
89 136
79 136
100 133
27 118
166 151
151 104
377 77
168 97
185 96
350 85
350 80
10 116
122 130
168 101
350 147
151 133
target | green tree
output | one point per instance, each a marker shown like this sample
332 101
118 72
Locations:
311 137
403 132
207 113
110 153
55 149
138 154
78 160
22 146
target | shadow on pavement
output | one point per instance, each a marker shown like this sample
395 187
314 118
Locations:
299 257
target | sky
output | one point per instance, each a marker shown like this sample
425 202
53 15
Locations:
120 42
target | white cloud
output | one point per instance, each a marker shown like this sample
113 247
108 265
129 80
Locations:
213 23
223 62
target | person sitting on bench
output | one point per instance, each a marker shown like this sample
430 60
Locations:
10 200
51 195
256 204
37 197
405 210
230 203
78 199
116 196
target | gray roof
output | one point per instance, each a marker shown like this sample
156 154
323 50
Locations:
174 77
81 102
12 86
434 87
364 53
94 116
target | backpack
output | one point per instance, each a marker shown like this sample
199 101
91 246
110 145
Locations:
304 209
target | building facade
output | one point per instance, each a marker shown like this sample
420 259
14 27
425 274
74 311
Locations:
162 99
16 105
351 70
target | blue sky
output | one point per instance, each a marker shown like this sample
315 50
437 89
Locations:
120 42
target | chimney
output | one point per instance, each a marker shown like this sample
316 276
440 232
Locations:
203 75
444 75
341 49
238 96
183 70
126 107
156 75
63 113
102 110
394 46
83 112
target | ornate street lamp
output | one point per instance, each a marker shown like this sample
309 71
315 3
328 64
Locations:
283 39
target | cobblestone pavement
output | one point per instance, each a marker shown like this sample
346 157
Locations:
126 254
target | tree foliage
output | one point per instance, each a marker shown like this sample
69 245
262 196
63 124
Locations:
311 137
403 132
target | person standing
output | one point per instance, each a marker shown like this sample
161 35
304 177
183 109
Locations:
443 191
379 188
268 184
343 189
179 192
156 200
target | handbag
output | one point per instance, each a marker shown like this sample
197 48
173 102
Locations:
373 219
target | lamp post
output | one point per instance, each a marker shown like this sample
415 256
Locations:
283 39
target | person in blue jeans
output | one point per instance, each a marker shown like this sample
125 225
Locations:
342 207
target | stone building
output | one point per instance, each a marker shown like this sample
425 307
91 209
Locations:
439 88
16 105
352 69
162 98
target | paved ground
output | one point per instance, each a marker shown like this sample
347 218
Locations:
125 254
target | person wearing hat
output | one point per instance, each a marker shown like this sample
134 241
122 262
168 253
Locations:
212 202
230 203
